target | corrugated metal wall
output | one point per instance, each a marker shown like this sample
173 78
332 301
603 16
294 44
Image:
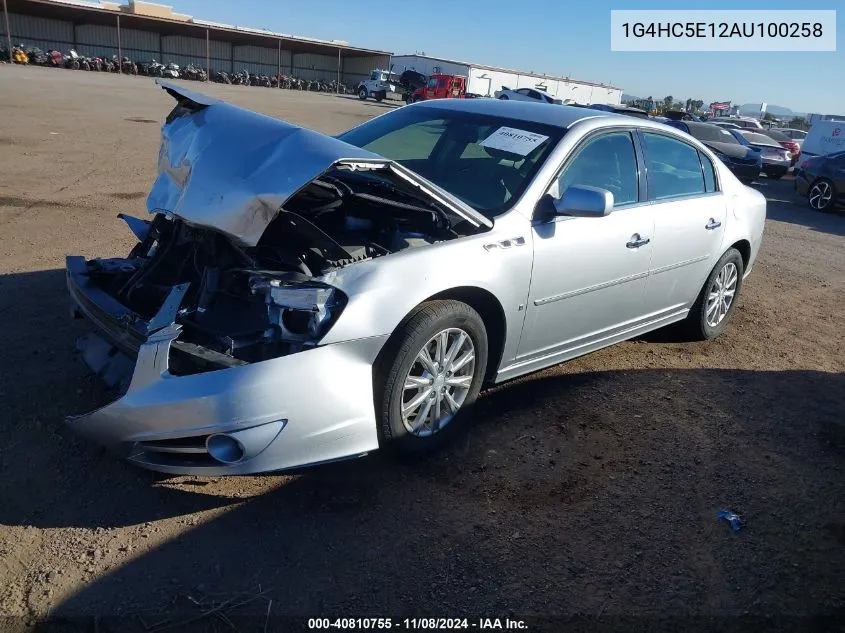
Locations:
101 41
356 69
313 66
40 32
142 46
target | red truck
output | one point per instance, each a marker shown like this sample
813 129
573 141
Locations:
440 86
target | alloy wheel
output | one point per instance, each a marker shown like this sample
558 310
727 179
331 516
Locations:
721 294
820 195
437 382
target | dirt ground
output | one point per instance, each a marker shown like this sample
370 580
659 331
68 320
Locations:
589 490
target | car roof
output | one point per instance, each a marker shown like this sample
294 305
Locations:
557 115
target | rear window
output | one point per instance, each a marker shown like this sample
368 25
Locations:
759 139
712 133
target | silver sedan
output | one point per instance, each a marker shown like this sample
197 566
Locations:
296 298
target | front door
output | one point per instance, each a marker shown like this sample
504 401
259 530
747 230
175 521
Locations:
590 274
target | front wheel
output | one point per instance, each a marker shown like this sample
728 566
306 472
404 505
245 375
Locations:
429 374
716 302
362 93
821 195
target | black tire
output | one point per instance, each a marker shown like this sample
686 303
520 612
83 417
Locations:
400 355
362 93
696 323
379 96
816 189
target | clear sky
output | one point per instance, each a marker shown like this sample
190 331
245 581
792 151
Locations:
558 37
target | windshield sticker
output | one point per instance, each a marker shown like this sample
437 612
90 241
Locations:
508 139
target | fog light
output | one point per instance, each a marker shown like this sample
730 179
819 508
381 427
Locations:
224 448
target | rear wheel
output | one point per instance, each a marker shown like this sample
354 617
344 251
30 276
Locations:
821 195
716 302
379 96
429 375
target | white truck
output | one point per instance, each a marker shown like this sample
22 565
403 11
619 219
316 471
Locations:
379 85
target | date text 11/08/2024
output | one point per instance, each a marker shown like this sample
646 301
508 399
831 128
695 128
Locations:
416 624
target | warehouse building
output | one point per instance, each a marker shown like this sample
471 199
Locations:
146 30
486 80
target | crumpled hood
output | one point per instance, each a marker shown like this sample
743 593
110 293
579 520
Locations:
231 169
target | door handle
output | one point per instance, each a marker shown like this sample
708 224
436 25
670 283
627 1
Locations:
637 241
712 224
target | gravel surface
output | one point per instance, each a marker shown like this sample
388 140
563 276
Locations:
588 490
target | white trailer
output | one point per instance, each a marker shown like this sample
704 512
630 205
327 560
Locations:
486 80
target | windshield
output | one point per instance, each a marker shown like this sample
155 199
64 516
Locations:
485 161
759 139
712 133
432 83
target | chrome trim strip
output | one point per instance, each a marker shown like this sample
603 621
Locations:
686 262
582 291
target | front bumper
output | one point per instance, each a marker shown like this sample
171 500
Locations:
306 408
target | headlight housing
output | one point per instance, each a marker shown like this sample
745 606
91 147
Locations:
300 311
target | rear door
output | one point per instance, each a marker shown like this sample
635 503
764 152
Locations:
689 221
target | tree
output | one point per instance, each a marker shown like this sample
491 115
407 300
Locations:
768 117
799 123
667 102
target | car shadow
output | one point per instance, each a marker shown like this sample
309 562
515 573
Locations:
389 104
784 205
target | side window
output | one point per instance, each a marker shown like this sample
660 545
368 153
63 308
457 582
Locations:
441 83
522 91
608 162
709 173
673 168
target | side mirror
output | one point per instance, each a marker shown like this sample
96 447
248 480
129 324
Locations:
582 201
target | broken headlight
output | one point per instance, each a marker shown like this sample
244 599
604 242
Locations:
298 311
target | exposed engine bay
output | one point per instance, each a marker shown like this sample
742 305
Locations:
239 304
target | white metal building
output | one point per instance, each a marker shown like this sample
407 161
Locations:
146 30
486 80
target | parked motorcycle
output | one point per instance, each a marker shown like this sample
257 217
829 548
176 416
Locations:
127 66
193 73
19 55
241 78
56 59
170 71
222 77
151 68
36 56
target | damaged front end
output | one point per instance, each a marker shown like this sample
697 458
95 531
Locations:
203 327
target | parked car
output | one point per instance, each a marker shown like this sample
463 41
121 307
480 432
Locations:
616 109
785 142
822 180
526 94
745 162
680 115
264 323
796 135
744 122
776 159
726 125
